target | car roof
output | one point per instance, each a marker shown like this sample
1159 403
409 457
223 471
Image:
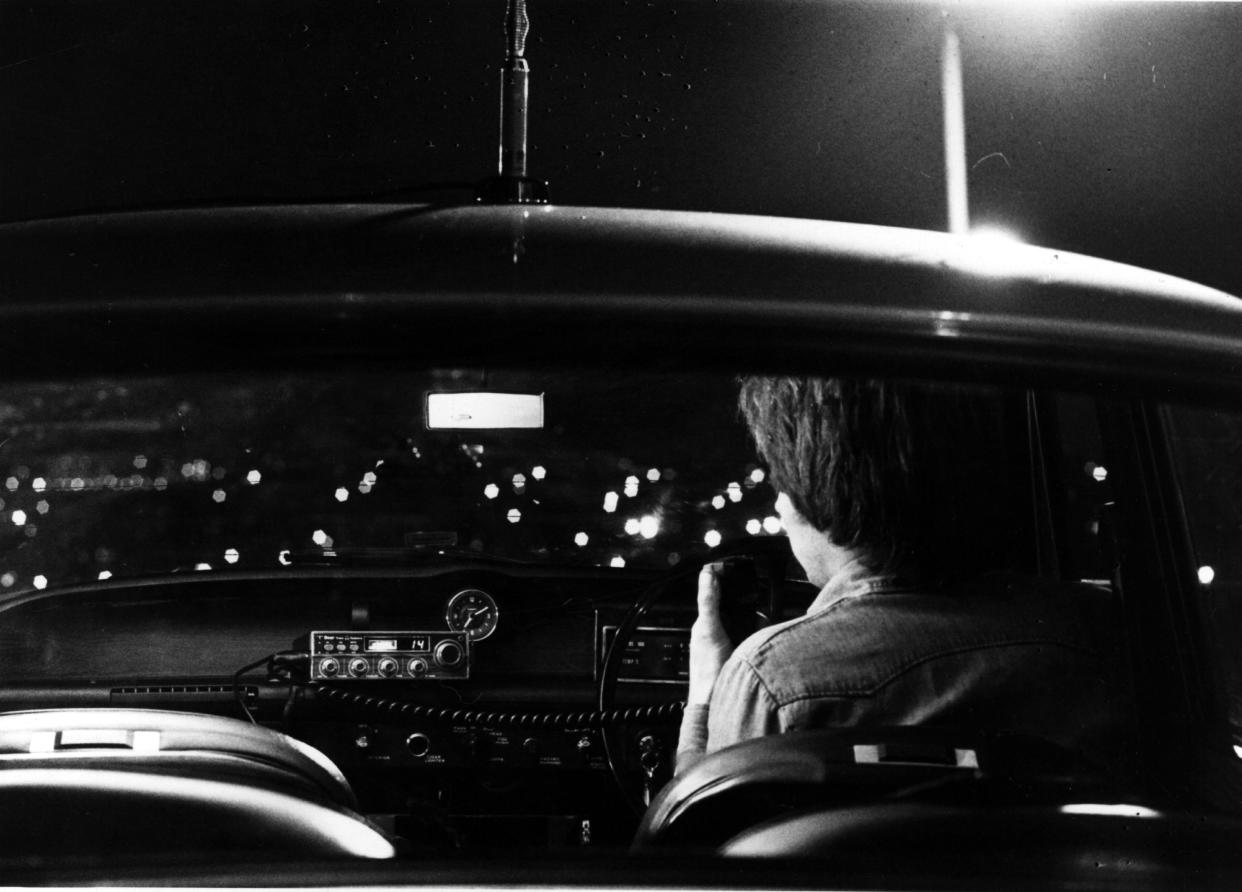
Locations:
338 268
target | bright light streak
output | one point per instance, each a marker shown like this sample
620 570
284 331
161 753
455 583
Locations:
539 472
772 525
341 494
232 556
1206 575
632 526
754 527
734 491
40 582
581 540
319 537
610 502
514 515
712 538
653 475
38 484
19 518
105 574
617 561
253 476
1109 810
491 491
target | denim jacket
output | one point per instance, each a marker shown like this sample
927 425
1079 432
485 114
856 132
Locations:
1002 653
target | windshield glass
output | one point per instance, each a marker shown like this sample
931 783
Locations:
125 477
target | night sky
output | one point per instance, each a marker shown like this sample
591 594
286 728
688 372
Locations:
1107 129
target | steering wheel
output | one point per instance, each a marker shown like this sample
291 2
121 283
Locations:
639 763
87 782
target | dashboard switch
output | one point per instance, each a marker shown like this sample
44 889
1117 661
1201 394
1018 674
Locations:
419 744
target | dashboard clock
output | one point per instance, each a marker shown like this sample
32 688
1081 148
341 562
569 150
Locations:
472 611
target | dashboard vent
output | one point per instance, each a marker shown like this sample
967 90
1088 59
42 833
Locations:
164 690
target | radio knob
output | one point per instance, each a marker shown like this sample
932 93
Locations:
417 667
448 653
387 667
329 668
359 667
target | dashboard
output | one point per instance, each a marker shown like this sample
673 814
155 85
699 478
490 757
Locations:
462 705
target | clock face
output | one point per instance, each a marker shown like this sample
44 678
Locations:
472 611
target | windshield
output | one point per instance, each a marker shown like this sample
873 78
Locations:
125 477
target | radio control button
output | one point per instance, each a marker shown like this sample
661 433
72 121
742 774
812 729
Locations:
358 667
329 668
448 653
417 667
387 667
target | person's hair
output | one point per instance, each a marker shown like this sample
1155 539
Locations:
891 470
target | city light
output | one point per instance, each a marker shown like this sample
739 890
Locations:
218 496
319 537
283 558
11 484
341 494
201 566
653 475
514 515
754 527
38 484
40 582
140 462
649 526
617 561
8 580
631 486
718 502
104 574
1206 575
772 525
1100 473
757 475
42 506
712 538
491 491
232 556
19 518
610 502
734 491
581 540
632 526
253 476
538 472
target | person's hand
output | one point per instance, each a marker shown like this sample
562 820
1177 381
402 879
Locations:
709 645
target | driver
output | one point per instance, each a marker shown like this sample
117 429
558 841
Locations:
893 500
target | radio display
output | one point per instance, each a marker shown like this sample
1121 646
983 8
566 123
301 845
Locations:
652 654
376 645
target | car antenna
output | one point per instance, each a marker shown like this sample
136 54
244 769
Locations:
512 185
